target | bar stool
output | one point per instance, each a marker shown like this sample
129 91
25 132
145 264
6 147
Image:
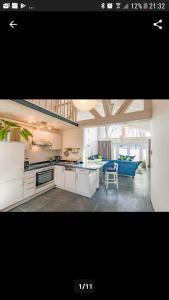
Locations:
111 176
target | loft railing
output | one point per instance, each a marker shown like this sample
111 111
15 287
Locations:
63 107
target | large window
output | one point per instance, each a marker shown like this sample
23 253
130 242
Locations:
115 131
135 151
123 150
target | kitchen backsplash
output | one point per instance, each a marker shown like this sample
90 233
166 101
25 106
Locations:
73 156
39 153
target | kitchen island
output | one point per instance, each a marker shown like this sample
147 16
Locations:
80 178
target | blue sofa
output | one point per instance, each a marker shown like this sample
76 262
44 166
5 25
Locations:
127 168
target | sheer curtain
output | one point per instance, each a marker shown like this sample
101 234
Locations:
104 149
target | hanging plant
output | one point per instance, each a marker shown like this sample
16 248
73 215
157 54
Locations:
5 127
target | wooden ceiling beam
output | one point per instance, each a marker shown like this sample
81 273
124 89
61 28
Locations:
147 104
107 107
120 118
124 106
95 113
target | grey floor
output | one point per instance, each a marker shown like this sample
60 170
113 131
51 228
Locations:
133 195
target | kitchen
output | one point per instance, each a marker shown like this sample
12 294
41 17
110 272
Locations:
51 158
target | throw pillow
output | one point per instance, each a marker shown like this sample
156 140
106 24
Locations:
127 157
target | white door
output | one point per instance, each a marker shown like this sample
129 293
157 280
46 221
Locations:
82 182
70 180
11 192
60 176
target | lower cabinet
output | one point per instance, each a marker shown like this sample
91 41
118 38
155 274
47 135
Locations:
29 184
60 176
11 192
80 181
86 182
70 179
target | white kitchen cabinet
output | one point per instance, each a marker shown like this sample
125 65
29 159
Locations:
86 182
29 184
11 192
70 179
60 176
80 181
11 173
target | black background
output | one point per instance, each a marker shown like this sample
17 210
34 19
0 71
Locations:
43 253
84 55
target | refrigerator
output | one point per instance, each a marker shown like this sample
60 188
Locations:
11 173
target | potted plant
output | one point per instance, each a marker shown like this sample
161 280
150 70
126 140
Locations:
6 126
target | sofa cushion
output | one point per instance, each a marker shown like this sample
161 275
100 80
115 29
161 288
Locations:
126 157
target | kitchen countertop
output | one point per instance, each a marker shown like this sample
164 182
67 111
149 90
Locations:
88 166
92 165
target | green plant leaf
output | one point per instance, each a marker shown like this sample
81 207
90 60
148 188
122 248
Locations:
10 124
3 134
25 133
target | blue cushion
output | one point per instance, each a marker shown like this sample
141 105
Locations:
110 169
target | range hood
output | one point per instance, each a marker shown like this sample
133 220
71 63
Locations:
42 143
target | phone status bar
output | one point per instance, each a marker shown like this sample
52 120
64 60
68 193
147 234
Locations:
134 6
83 5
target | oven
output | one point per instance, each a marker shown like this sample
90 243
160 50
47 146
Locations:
44 177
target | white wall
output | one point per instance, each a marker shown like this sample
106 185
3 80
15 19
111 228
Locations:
160 155
91 141
39 153
73 138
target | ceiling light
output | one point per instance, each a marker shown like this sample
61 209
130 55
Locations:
85 105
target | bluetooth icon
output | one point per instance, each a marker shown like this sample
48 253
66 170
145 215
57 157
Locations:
103 5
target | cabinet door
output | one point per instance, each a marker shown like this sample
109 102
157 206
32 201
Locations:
82 182
60 176
93 182
70 180
29 184
11 193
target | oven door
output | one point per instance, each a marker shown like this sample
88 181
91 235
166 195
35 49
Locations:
44 177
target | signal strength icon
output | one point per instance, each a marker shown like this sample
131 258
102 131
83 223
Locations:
126 6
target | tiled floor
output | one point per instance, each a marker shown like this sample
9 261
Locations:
133 195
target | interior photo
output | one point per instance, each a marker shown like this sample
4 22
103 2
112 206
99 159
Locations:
84 155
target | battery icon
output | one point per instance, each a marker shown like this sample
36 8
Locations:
145 6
